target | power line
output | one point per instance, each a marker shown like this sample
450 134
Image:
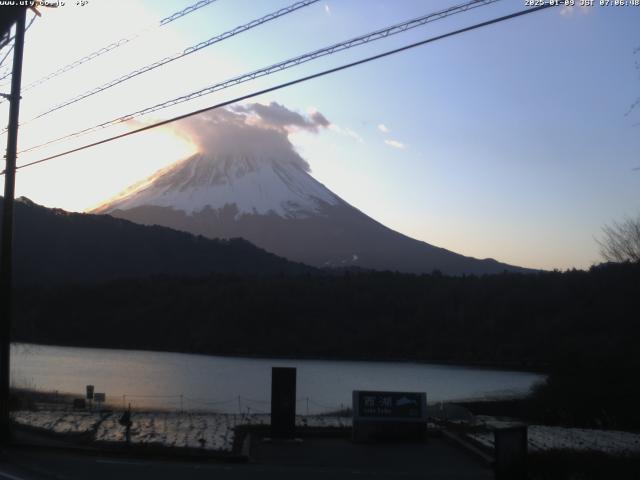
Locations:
185 11
5 39
9 50
187 51
112 46
6 74
11 47
292 82
292 62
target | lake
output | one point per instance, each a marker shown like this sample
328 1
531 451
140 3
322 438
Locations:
229 384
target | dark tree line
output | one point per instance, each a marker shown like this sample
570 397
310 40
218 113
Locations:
580 326
508 319
52 246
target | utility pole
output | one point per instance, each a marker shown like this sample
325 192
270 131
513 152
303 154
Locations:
7 228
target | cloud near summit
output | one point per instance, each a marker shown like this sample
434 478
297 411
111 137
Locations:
256 130
279 117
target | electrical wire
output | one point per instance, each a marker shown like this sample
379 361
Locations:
112 46
9 50
5 39
293 82
292 62
11 47
178 55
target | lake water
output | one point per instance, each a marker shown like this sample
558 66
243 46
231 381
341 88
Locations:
226 384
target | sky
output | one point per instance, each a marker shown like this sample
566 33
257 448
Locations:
513 142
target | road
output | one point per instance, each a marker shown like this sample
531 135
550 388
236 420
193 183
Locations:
313 459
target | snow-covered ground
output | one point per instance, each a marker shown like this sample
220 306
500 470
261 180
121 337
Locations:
59 422
216 431
544 438
209 431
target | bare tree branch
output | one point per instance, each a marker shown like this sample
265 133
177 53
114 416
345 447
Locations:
621 241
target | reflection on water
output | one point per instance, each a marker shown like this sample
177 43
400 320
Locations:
226 384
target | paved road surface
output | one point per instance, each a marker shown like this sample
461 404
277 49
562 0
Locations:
332 459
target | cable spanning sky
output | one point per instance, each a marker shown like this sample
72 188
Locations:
510 142
270 69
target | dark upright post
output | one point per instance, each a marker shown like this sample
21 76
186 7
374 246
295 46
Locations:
283 402
7 227
511 453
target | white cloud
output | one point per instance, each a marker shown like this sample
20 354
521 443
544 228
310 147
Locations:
327 9
229 133
279 117
383 128
354 135
395 144
346 132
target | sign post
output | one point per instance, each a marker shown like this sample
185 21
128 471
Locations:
389 416
283 402
511 453
99 398
90 390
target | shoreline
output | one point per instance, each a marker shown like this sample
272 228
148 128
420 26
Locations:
515 367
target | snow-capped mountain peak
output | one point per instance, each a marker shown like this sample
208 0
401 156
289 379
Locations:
254 183
248 181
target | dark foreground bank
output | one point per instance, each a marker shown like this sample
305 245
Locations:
579 326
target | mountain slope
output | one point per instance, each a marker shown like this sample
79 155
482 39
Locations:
272 201
55 246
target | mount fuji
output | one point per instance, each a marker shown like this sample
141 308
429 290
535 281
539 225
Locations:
247 181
